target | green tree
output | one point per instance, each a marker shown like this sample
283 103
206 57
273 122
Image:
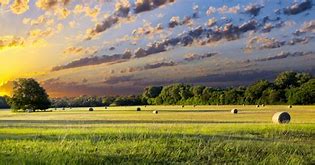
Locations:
286 80
152 92
29 95
255 91
302 95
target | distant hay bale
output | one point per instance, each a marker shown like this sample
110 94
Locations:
281 118
55 108
257 106
155 112
262 105
63 108
183 106
234 111
243 105
138 109
290 106
105 107
91 109
145 106
194 105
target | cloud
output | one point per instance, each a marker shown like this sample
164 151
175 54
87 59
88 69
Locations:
11 41
62 13
211 22
297 7
175 21
101 27
147 5
297 40
4 3
283 55
159 65
80 51
37 21
121 79
51 4
95 60
122 9
193 57
308 27
223 10
38 33
147 29
247 26
88 11
260 42
253 9
19 6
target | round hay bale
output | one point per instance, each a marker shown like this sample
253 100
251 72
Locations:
138 109
243 105
234 111
91 109
63 108
194 106
105 107
290 106
183 106
155 112
55 108
262 105
281 118
257 106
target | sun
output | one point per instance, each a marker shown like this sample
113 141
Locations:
2 93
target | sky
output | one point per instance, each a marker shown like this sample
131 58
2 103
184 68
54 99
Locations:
119 47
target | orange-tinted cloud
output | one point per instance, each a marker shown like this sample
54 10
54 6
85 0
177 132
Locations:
19 6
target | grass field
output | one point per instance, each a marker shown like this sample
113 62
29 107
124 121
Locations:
176 135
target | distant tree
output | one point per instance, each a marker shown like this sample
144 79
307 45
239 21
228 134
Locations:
28 94
152 91
286 80
302 78
255 91
108 100
234 96
302 95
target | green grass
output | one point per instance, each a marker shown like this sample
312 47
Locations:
189 135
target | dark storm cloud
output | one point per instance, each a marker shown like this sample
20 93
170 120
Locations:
297 7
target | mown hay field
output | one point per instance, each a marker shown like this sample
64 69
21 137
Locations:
176 135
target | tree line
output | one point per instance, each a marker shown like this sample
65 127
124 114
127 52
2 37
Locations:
288 88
